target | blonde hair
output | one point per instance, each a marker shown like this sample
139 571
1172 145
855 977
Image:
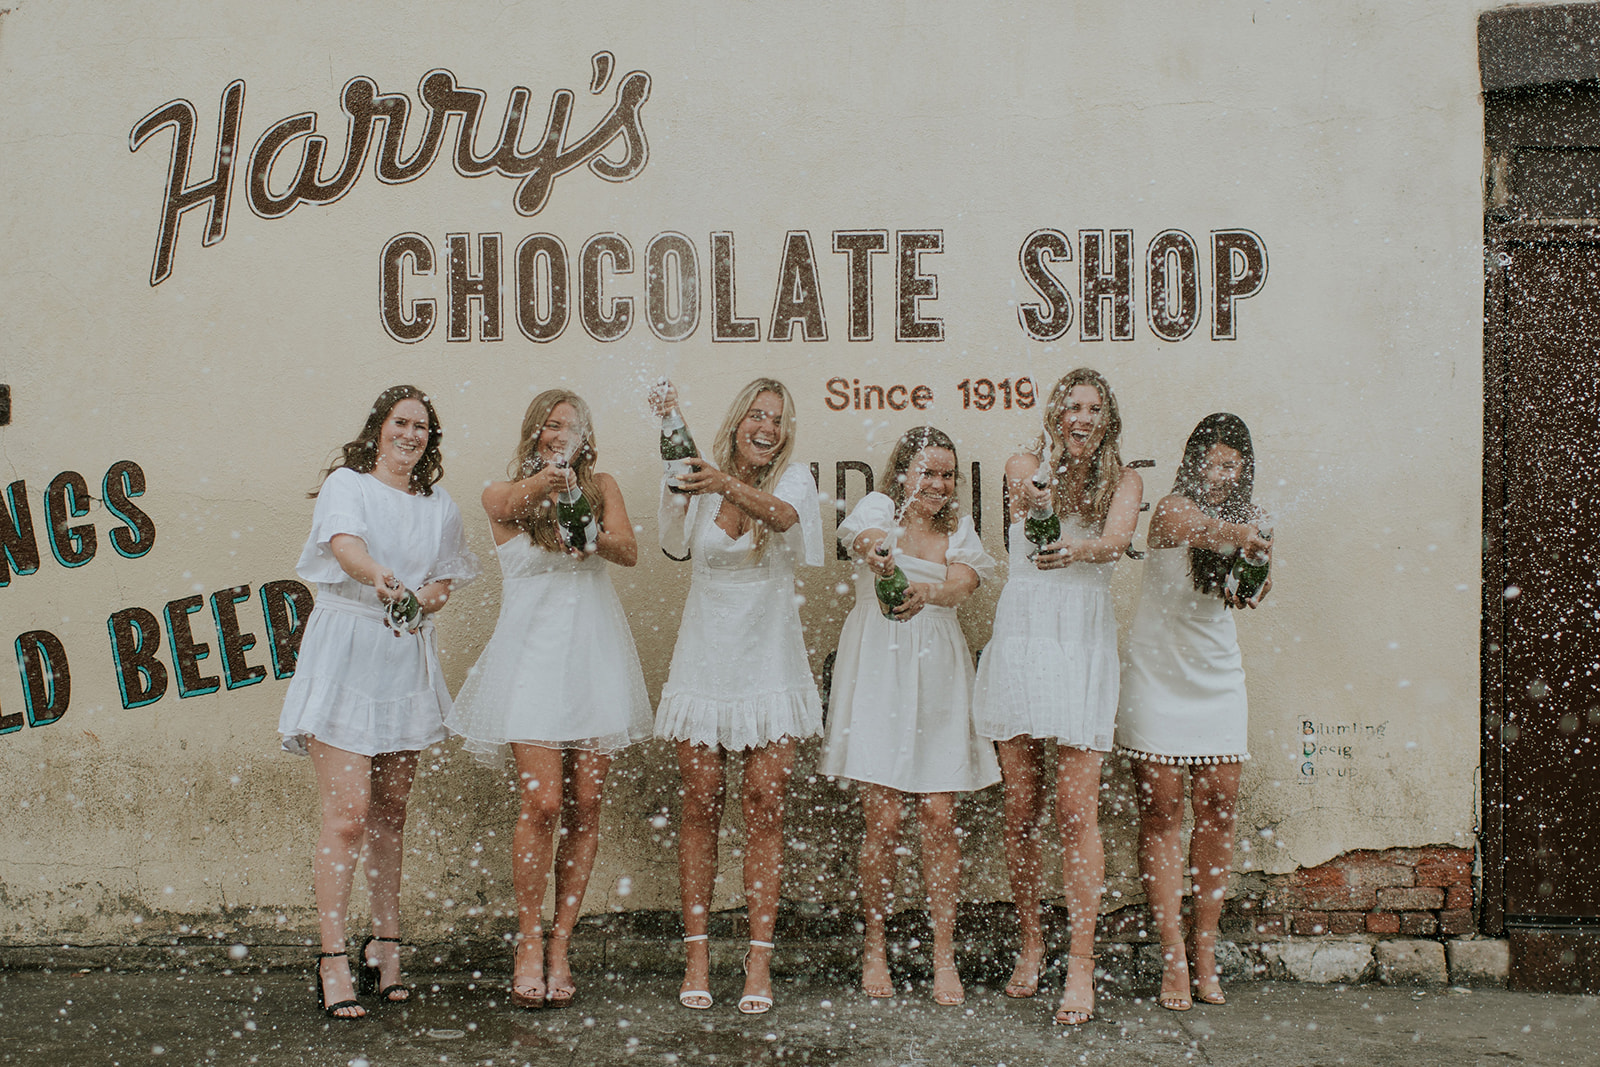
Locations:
1105 469
764 478
541 526
897 472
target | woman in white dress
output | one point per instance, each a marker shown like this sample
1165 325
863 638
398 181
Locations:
1183 699
1050 670
899 711
367 692
559 682
739 679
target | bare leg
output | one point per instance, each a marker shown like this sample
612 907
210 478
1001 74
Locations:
1216 789
585 774
941 871
1083 873
392 776
539 784
344 788
1024 810
766 778
883 809
700 768
1160 792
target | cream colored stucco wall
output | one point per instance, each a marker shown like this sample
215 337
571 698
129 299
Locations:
1347 136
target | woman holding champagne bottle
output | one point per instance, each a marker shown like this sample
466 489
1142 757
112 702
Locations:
900 719
1183 700
385 551
1050 670
739 678
559 682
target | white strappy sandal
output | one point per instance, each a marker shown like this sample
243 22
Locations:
755 1003
698 999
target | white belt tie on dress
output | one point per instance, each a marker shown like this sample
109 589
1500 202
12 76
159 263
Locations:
361 609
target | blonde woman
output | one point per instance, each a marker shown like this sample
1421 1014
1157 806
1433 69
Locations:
739 679
1050 671
367 692
559 682
900 719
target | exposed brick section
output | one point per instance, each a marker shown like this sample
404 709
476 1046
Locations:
1418 923
1383 922
1415 892
1421 898
1308 923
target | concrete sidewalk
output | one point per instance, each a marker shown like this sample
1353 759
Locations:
100 1018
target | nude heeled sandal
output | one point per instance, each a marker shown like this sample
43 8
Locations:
1077 1014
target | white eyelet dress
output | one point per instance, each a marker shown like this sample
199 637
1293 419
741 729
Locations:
561 670
740 677
1183 698
899 712
1050 669
357 686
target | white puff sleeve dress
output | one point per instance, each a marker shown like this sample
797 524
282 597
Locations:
357 686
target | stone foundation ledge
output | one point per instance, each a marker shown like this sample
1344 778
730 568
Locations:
1123 965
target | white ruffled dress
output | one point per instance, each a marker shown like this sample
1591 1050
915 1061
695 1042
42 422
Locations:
561 670
1183 699
357 686
899 712
1050 669
740 677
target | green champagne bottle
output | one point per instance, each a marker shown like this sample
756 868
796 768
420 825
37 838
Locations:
576 519
404 614
676 446
1042 526
891 590
1249 573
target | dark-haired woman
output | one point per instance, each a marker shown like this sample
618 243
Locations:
900 709
559 682
740 678
1183 701
1049 672
367 692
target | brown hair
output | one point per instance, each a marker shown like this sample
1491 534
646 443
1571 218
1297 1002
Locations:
361 455
1105 470
526 461
765 478
1209 568
897 472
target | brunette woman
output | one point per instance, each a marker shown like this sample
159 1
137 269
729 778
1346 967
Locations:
1183 701
559 682
1049 672
900 717
386 550
739 679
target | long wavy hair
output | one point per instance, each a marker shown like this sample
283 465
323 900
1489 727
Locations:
892 483
765 478
526 462
361 455
1105 466
1208 568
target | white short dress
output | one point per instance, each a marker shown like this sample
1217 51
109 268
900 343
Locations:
899 712
1183 699
740 677
357 686
1050 669
561 670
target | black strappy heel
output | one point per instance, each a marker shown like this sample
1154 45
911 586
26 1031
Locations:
332 1010
370 976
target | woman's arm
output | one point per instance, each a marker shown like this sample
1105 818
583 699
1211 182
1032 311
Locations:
777 513
506 502
1179 521
357 562
1115 536
616 542
960 581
